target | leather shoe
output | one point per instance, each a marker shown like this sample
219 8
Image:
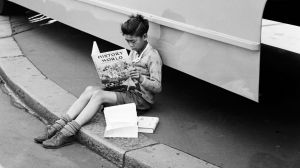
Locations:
49 132
58 140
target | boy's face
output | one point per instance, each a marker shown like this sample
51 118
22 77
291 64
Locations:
135 42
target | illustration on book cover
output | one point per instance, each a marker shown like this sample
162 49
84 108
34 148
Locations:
113 69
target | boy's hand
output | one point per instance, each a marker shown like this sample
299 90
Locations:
135 74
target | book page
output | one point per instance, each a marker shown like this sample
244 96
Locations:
121 121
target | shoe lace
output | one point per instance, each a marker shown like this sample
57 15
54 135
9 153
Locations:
56 136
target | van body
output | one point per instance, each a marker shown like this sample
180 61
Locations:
213 40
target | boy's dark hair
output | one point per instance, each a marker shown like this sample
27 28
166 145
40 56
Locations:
135 26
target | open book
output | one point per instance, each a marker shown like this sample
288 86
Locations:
147 124
121 121
113 68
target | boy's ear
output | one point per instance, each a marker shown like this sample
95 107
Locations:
145 36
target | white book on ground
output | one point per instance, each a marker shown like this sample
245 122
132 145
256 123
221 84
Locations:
121 121
147 124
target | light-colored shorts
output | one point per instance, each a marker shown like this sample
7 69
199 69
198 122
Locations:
132 97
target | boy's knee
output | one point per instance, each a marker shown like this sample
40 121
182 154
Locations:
98 96
89 89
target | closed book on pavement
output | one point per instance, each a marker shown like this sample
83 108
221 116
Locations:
147 124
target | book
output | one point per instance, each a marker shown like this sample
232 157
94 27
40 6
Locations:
121 121
113 68
147 124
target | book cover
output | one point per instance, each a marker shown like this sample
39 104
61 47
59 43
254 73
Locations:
147 124
121 121
113 68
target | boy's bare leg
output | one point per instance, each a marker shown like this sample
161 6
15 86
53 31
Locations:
66 134
73 111
99 97
82 101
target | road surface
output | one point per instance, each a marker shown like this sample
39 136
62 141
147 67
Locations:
17 149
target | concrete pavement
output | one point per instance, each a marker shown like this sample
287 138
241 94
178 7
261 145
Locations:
5 29
49 100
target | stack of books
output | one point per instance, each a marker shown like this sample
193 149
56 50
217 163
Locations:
147 124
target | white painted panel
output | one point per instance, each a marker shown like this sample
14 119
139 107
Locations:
233 17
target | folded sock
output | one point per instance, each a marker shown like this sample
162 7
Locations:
59 124
71 128
66 118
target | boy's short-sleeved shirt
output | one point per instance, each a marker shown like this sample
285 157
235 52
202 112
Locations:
149 63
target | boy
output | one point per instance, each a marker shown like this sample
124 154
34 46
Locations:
146 74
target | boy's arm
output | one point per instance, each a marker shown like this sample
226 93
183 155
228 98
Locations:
153 83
